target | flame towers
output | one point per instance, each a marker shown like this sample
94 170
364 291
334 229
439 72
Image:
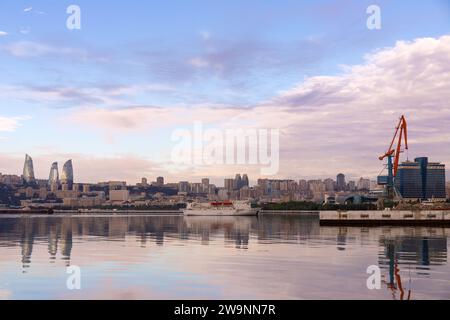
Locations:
67 174
54 179
54 174
28 170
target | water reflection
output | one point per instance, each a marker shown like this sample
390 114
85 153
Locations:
403 254
406 252
60 231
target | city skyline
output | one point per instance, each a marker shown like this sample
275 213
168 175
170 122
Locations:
110 97
67 176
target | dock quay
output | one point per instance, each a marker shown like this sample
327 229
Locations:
303 213
385 218
26 211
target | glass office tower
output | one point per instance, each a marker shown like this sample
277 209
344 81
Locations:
421 179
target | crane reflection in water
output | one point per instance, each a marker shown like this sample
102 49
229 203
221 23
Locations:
403 253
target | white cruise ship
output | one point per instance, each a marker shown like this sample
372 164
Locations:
226 208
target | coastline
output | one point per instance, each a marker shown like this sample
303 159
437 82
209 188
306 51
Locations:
439 218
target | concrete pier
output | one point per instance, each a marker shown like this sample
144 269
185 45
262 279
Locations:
380 218
304 213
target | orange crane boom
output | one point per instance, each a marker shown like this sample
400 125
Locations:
401 131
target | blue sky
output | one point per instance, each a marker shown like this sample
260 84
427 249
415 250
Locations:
176 54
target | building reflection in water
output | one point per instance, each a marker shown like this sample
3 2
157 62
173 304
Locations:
399 247
403 252
59 232
27 232
400 255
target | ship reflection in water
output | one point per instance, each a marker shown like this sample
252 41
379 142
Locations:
269 257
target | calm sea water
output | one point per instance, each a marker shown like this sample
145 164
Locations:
270 257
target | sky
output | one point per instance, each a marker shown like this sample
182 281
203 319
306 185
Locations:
111 94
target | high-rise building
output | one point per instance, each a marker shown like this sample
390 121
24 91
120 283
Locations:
245 181
205 184
229 184
263 186
196 188
237 182
54 174
340 182
421 179
292 185
184 186
211 189
329 185
160 181
317 189
316 186
28 170
67 174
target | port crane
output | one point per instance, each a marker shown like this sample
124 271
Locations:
393 158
